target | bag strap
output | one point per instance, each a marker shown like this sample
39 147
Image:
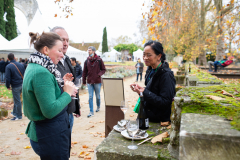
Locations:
18 70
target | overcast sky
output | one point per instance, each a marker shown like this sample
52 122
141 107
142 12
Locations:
90 17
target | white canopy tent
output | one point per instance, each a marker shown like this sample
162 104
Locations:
20 46
112 56
138 54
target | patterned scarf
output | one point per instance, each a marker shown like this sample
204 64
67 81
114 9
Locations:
47 63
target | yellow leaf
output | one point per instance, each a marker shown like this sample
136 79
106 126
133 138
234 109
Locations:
144 40
214 7
155 13
153 38
154 19
27 147
71 14
158 24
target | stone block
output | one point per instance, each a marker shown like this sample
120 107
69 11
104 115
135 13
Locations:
3 113
180 79
114 147
208 137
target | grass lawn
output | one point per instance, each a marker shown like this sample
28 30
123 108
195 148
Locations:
4 92
126 63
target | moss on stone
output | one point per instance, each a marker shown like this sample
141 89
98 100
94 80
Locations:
228 108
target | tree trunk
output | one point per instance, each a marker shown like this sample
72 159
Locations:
202 60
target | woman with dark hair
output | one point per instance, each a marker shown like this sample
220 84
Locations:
45 102
160 84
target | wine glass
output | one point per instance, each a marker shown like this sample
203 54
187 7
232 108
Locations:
133 127
124 107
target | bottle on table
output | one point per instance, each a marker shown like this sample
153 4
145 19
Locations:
142 116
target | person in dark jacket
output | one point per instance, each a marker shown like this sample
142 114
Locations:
14 76
93 69
77 68
24 64
2 70
160 84
139 69
64 66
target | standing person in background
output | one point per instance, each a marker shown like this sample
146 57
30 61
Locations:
2 70
24 64
139 69
77 68
14 77
20 60
93 69
64 66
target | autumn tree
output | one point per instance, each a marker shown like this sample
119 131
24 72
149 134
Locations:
2 22
104 41
11 27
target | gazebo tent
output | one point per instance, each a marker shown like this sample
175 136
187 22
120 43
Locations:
138 54
20 46
112 56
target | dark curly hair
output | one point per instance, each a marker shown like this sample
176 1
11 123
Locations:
157 48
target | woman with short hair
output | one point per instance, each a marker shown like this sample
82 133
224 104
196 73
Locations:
160 84
44 101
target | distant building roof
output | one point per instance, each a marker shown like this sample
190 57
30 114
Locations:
84 47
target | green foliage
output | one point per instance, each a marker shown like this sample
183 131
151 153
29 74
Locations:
2 22
130 47
104 41
11 27
228 108
5 93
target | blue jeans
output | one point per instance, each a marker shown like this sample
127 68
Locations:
17 109
2 76
91 88
216 64
140 76
35 147
71 120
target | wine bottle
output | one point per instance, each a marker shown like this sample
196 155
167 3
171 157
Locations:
142 116
189 67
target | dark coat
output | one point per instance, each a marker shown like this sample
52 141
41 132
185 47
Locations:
2 66
78 71
77 101
140 68
159 93
12 75
93 72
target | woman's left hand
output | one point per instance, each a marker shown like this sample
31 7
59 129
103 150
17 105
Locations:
68 77
137 88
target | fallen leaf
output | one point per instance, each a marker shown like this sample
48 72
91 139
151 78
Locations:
169 127
21 133
92 126
15 153
216 98
133 106
131 115
159 138
90 150
55 15
6 146
165 124
80 156
27 147
84 146
1 150
73 153
87 128
87 154
87 158
7 154
95 135
82 153
17 138
75 142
